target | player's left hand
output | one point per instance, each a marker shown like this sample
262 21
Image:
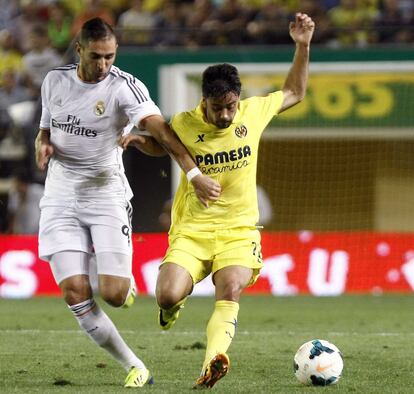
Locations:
301 30
206 189
145 143
43 152
135 140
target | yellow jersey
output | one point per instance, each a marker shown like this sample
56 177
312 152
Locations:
230 157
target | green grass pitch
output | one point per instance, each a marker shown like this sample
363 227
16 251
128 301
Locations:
43 351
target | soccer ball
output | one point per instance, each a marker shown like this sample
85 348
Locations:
318 362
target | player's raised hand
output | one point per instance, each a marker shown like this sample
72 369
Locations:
301 30
206 189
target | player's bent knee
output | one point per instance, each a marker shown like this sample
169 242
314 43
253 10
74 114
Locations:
113 289
114 298
115 301
76 289
168 299
229 291
73 298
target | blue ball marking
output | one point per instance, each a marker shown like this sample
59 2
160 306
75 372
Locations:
318 348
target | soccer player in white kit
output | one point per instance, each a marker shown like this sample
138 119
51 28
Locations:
85 210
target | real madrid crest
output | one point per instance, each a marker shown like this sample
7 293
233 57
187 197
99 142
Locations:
241 131
99 108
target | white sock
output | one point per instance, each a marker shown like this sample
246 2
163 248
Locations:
99 327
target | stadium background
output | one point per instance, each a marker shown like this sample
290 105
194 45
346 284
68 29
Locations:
338 170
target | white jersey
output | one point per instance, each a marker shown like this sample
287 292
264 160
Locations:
86 121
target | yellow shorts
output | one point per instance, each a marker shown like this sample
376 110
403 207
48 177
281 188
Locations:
202 253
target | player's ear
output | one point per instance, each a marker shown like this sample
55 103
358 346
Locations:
203 106
78 47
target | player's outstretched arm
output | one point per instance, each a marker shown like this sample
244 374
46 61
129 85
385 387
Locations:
294 88
43 148
144 143
205 188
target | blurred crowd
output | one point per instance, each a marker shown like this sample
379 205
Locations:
38 35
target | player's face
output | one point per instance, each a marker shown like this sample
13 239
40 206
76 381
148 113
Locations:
96 59
220 111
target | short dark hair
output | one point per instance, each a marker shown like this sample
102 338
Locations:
94 30
219 80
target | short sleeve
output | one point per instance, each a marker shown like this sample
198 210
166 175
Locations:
45 94
271 104
135 101
263 109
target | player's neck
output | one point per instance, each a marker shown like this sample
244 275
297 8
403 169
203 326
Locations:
82 75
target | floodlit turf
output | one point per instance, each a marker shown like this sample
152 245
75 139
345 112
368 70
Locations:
43 351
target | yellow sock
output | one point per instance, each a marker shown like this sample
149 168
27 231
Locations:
221 329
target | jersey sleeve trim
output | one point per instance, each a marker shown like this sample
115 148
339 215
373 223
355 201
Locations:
137 92
68 67
147 112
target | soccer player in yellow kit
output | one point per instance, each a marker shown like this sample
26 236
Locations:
222 134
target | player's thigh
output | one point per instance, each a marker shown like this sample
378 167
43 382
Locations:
114 264
238 275
230 282
239 249
174 283
69 263
114 276
191 252
110 227
60 229
70 270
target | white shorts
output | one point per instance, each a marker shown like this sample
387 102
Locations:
86 226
